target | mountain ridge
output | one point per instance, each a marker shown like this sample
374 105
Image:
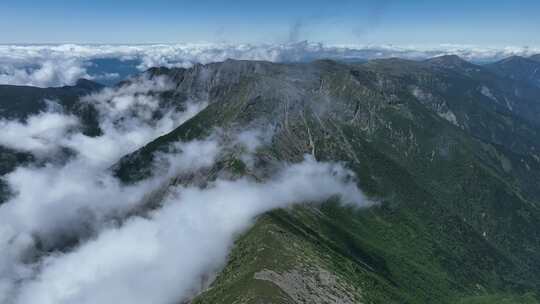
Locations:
445 148
520 68
368 100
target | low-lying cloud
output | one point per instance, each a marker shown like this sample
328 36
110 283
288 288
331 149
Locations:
162 258
41 71
59 201
73 233
127 120
57 65
39 134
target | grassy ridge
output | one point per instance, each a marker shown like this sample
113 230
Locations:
458 214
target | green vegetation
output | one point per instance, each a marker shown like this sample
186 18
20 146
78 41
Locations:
457 214
447 150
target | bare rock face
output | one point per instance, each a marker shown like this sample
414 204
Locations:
311 285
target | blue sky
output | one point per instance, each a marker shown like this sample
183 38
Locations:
413 22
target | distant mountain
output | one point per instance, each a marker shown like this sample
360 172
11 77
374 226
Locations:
21 101
535 57
449 149
453 62
519 68
509 85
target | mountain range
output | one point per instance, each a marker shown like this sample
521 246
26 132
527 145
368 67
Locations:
448 150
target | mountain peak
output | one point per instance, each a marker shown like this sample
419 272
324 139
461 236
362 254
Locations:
515 59
525 69
449 61
535 57
88 84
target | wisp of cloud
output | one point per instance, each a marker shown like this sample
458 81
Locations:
161 258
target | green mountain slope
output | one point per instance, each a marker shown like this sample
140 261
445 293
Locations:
519 68
454 169
18 102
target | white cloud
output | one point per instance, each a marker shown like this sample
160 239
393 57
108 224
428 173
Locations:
126 117
55 205
43 72
163 258
62 201
56 65
127 121
124 253
250 140
40 133
159 258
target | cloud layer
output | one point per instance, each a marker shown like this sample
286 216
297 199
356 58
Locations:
57 65
162 258
62 200
73 233
39 133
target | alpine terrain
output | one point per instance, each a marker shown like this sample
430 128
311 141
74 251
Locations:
445 151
